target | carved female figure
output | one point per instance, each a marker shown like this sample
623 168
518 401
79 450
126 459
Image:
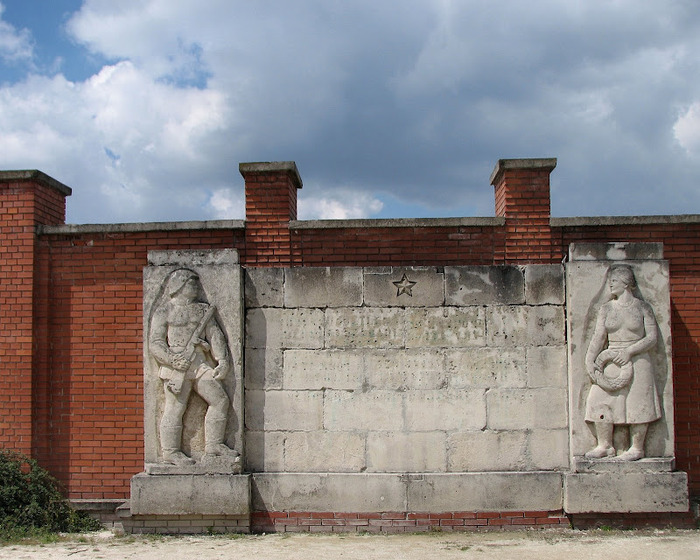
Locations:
191 350
618 362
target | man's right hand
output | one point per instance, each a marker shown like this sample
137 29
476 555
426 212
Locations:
180 362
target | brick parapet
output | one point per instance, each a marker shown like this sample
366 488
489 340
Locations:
271 203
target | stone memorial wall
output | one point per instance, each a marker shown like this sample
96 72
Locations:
378 375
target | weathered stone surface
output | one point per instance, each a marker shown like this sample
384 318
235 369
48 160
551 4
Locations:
406 452
516 409
450 409
525 326
264 287
263 368
587 290
482 285
354 410
445 327
323 369
365 327
324 452
487 451
284 410
322 287
404 287
180 289
617 251
264 451
284 328
328 492
625 492
485 492
404 369
196 258
548 449
487 367
648 465
190 494
544 283
546 366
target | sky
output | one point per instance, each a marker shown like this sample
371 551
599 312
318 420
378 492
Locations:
145 108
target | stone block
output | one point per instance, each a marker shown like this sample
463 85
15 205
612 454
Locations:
547 366
525 326
544 284
404 287
548 449
355 410
264 287
284 328
487 451
516 409
445 327
587 291
263 368
486 367
625 492
264 451
323 369
322 287
484 285
401 370
646 465
406 452
365 327
448 410
284 410
190 494
324 452
616 251
328 492
521 491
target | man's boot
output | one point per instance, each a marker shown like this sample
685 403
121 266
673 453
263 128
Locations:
170 438
214 433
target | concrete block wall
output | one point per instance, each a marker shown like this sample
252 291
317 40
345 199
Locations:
465 371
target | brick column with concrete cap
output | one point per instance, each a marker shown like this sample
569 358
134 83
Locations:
522 198
270 204
27 199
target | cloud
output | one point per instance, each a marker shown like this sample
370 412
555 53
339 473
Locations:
687 129
15 44
409 105
344 204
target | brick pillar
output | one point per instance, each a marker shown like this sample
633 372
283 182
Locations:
27 199
270 203
522 198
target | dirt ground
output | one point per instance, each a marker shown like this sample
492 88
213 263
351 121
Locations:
525 545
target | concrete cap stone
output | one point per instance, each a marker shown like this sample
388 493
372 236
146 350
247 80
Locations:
36 176
272 167
531 163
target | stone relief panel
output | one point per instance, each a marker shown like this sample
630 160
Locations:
193 366
619 355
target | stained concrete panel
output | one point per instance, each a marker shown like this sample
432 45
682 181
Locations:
484 285
404 287
322 287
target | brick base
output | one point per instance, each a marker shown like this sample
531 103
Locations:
404 522
634 520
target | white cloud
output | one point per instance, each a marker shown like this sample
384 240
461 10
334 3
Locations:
687 129
343 205
15 44
417 103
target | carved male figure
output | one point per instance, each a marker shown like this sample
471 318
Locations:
191 350
618 362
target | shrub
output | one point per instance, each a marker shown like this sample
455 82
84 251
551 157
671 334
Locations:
30 499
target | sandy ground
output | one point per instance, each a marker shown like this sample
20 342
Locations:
526 545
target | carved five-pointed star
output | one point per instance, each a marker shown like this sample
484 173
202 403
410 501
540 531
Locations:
404 286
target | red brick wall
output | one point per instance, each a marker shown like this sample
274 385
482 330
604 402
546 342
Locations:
89 423
71 304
